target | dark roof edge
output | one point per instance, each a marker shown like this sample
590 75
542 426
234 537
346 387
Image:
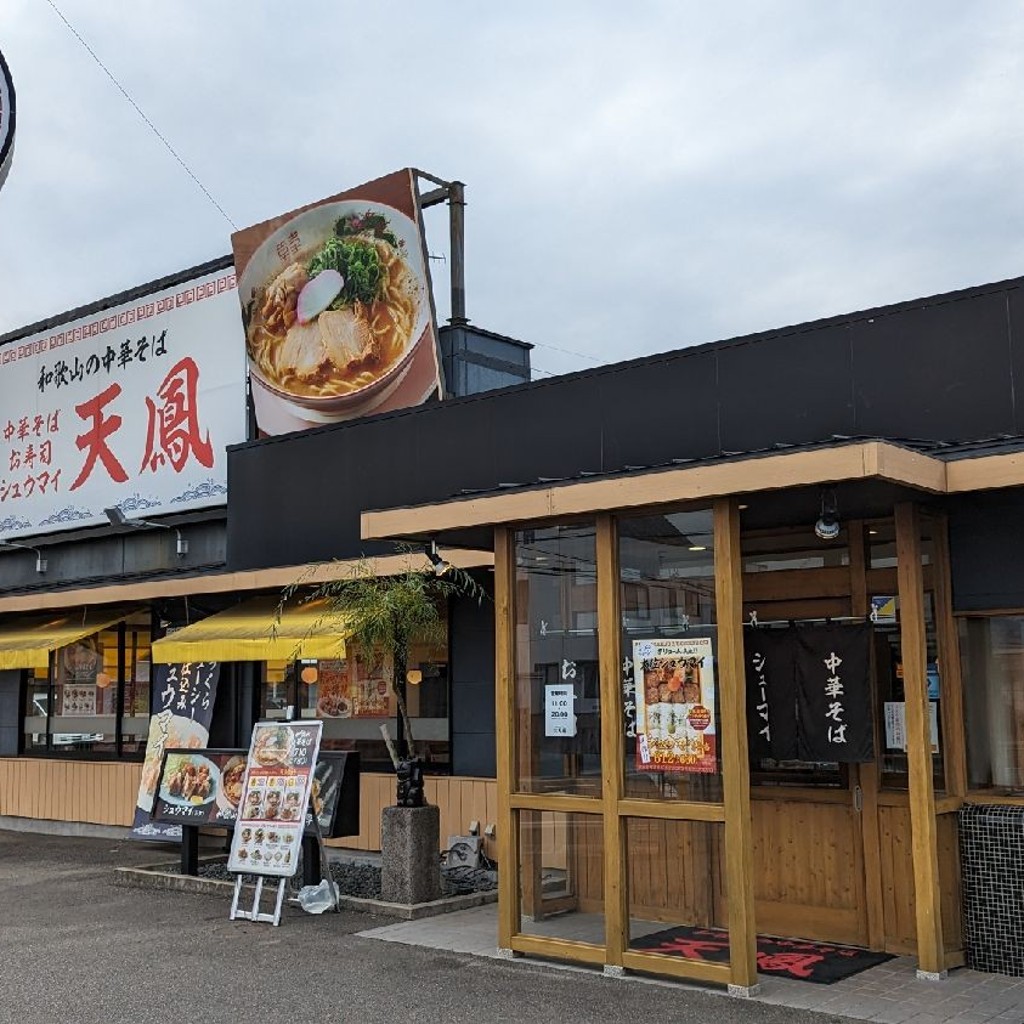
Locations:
659 357
138 292
927 448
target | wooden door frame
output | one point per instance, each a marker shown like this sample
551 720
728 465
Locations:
613 807
924 830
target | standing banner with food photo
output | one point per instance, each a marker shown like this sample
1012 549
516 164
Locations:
183 699
200 787
275 795
337 308
675 705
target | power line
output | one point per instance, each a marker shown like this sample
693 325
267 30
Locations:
124 92
567 351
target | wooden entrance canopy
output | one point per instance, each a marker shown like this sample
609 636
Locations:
911 475
830 463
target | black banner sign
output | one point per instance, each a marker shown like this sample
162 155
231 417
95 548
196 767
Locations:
834 693
335 795
771 693
182 709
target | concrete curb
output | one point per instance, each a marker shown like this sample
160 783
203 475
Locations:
157 877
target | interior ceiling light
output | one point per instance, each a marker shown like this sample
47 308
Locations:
827 526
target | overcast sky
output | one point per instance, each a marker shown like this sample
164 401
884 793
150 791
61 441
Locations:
640 176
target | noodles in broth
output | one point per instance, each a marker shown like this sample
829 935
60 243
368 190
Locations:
359 337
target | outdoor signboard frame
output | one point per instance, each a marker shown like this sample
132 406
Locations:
272 814
8 119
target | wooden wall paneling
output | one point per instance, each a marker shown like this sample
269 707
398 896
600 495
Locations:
733 738
505 703
949 882
897 878
819 608
930 952
796 584
886 580
615 886
807 866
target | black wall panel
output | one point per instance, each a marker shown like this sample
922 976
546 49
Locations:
764 399
943 369
986 545
668 411
472 676
1014 298
10 712
941 372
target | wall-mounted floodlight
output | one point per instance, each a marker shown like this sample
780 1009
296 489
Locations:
41 563
118 518
441 566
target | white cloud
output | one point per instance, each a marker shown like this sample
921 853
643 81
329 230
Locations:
639 177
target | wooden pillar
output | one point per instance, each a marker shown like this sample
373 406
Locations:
732 735
616 891
505 718
951 681
866 775
924 833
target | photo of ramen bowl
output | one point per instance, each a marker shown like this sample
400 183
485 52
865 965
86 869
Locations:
335 304
272 745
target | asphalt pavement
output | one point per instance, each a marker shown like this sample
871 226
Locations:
76 948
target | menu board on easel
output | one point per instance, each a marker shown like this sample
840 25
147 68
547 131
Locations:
275 795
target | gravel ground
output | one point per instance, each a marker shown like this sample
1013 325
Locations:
363 880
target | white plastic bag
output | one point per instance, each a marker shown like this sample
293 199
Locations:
315 899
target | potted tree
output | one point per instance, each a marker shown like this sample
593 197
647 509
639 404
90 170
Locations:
383 616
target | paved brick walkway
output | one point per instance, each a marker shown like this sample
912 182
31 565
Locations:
889 993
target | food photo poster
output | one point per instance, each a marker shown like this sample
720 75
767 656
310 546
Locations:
275 795
200 787
337 308
675 705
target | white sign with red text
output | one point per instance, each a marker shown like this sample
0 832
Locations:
131 407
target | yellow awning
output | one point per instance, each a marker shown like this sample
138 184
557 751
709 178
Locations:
252 631
28 642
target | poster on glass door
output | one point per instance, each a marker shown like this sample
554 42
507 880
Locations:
675 705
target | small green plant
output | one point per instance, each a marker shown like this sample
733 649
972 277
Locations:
384 615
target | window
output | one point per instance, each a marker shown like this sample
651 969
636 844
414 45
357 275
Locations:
992 654
353 698
890 704
557 683
94 698
667 594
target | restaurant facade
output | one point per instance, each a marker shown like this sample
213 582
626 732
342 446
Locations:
750 658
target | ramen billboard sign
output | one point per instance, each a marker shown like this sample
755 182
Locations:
337 308
131 406
6 119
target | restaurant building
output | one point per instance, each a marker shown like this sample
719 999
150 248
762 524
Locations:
752 660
